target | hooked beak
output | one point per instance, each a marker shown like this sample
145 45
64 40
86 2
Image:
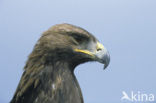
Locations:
100 54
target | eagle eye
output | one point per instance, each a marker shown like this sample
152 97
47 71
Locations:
79 39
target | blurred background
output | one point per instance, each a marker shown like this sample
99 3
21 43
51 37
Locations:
127 28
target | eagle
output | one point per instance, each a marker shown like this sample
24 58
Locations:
48 75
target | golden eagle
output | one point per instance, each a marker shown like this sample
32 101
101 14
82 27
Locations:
48 75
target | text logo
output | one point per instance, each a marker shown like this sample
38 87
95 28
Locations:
137 97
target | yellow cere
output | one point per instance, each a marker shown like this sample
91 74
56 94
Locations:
99 46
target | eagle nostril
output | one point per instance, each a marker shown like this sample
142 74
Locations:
99 49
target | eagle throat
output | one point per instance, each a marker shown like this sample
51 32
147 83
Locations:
60 84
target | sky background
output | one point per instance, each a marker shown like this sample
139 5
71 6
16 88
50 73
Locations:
127 28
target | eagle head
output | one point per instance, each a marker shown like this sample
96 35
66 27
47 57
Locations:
66 42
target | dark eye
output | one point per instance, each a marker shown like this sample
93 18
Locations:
79 39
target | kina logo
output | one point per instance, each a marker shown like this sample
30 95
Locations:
137 97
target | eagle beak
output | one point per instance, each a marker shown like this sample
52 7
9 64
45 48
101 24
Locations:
100 54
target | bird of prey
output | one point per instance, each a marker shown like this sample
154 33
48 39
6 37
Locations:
48 75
